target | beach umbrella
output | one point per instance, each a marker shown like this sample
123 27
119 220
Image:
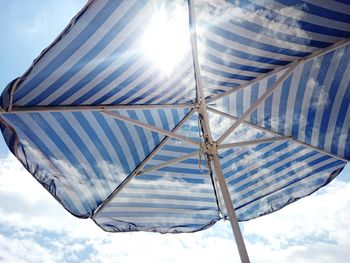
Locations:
168 116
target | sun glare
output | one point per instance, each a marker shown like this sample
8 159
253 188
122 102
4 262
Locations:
166 39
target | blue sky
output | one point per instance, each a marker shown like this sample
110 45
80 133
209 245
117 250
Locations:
35 228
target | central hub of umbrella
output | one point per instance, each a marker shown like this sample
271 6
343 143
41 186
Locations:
210 148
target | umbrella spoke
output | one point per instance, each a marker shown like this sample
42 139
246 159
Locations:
150 127
247 143
63 108
172 161
314 55
229 116
262 98
139 168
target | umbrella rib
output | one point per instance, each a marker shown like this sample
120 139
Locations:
167 163
262 98
150 127
247 143
139 168
229 116
63 108
313 55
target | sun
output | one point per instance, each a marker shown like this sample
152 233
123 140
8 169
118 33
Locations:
166 39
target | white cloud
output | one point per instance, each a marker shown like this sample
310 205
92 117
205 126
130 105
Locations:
34 227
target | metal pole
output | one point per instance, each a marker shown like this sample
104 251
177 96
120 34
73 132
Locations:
211 146
230 209
71 108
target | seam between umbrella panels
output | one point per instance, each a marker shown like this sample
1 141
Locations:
64 32
314 55
139 168
253 125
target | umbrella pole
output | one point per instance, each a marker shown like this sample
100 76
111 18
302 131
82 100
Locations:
230 209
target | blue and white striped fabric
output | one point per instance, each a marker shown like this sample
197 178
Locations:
266 177
84 155
176 198
240 40
81 157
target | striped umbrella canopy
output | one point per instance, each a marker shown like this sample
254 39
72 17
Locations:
168 116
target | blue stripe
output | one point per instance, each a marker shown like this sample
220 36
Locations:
326 60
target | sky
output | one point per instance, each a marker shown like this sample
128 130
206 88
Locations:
35 228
